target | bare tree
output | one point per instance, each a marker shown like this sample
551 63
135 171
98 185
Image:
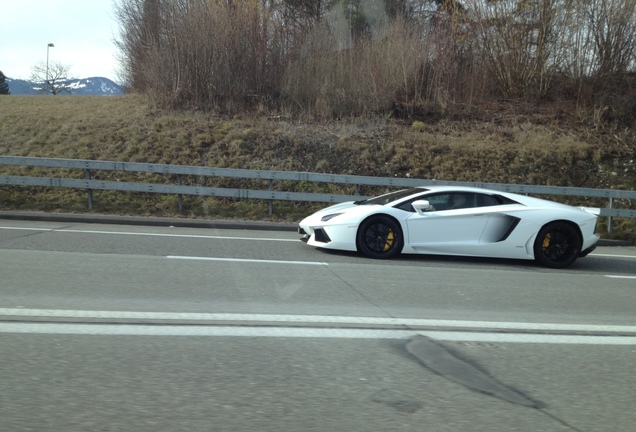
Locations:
516 39
51 79
342 57
4 86
613 29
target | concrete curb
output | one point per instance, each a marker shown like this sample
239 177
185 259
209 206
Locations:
182 223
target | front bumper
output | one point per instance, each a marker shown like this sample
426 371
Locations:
319 234
339 237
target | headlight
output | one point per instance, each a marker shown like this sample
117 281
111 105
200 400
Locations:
329 217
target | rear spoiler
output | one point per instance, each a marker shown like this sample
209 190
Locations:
593 210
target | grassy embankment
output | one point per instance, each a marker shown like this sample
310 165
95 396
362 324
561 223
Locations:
503 146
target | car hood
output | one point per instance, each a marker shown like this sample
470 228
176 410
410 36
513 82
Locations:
340 207
352 210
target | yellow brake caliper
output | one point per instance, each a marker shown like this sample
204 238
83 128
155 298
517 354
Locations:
389 241
546 241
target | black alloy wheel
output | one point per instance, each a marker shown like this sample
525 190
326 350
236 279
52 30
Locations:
558 245
380 237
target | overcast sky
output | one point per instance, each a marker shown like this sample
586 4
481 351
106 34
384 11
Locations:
81 30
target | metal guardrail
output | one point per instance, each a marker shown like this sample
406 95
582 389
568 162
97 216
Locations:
271 176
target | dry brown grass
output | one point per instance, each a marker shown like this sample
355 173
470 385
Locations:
489 147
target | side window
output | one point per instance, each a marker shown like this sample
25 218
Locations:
439 202
406 205
461 201
471 200
457 200
445 201
486 200
501 200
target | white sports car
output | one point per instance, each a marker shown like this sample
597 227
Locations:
449 220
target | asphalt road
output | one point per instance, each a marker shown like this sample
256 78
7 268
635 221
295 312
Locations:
139 328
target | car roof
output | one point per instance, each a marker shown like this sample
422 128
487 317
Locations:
521 199
469 189
447 188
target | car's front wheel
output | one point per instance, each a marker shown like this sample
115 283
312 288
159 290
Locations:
380 237
558 245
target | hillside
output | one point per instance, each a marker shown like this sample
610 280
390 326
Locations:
94 86
503 144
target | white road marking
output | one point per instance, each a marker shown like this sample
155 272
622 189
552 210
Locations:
193 258
315 319
26 229
612 256
620 277
150 234
285 332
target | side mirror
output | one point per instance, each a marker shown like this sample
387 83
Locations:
422 206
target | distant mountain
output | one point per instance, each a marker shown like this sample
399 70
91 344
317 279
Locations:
95 86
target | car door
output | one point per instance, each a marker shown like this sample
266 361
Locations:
446 227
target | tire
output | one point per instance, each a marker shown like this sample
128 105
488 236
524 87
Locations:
380 237
558 245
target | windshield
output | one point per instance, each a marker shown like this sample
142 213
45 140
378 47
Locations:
392 196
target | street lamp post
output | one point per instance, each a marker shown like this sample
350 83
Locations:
50 45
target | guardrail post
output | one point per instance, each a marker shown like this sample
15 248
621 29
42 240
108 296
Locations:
357 190
271 202
609 218
179 196
89 192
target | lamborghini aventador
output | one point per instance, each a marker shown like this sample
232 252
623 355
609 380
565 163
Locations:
449 220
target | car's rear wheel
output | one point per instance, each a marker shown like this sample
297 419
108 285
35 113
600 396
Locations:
380 237
558 245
